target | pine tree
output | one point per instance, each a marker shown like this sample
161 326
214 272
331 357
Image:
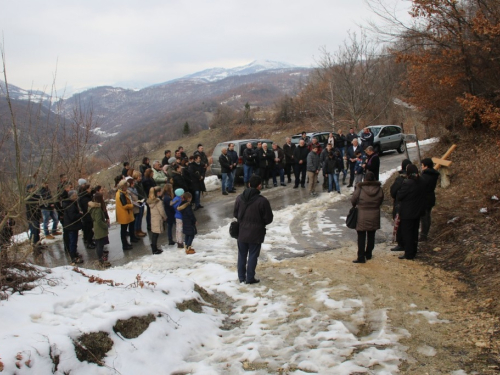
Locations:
186 130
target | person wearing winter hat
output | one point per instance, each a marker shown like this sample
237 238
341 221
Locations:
411 198
396 185
176 202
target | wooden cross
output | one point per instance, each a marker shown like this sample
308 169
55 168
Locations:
443 162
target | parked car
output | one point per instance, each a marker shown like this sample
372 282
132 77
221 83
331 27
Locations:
387 137
322 137
239 147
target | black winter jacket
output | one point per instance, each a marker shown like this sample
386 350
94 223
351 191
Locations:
72 216
411 196
225 163
300 153
188 219
430 176
266 158
257 215
250 157
396 185
197 173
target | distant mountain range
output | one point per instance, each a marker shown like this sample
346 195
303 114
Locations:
216 74
160 110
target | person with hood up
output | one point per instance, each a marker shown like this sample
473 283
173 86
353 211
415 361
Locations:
100 225
430 177
368 197
396 185
188 222
158 217
411 198
176 202
253 212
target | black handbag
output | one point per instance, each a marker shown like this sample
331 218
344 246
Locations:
352 218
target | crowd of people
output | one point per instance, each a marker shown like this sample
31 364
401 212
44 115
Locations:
170 191
306 160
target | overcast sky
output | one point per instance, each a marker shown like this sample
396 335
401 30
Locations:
122 42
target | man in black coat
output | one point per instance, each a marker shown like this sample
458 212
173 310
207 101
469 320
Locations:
351 158
430 177
253 212
411 198
197 174
168 155
350 137
372 162
300 157
225 169
288 149
249 163
266 164
396 185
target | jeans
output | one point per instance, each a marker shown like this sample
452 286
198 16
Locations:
250 251
34 227
281 172
233 179
188 239
197 195
362 251
73 240
47 215
227 182
138 219
333 178
247 173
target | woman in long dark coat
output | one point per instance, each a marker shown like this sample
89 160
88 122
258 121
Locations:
368 197
411 198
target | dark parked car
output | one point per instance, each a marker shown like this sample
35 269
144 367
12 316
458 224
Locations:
239 147
387 137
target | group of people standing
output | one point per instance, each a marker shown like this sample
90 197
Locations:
306 159
170 191
82 208
414 197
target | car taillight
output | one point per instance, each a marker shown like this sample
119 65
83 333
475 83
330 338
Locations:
240 160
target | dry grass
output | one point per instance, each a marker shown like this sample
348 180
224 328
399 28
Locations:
462 238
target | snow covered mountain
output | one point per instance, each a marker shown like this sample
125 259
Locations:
216 74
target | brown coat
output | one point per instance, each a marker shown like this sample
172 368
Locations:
368 196
158 215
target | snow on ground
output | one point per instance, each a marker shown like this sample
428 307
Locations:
45 320
424 142
42 323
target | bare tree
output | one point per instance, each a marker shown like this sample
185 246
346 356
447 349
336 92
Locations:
352 85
